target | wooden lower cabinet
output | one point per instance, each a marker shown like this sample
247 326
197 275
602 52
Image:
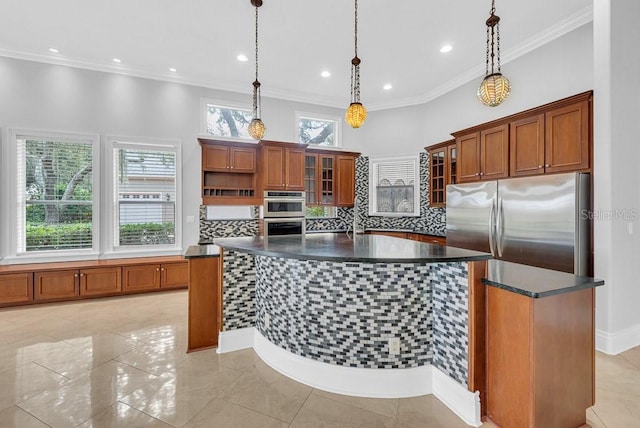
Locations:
16 288
140 277
174 275
430 239
205 301
62 284
540 359
100 281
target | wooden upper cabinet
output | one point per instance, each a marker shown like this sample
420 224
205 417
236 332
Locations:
282 165
224 158
494 153
346 179
526 146
442 171
567 138
320 179
468 147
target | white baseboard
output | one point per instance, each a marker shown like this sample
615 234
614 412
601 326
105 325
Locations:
235 340
462 402
375 383
620 341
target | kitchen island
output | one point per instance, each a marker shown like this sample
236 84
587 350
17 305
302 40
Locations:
367 315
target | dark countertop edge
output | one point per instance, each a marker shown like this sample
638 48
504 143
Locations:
537 295
356 259
419 232
202 250
326 231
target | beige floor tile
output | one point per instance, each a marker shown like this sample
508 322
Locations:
617 374
178 395
122 416
426 411
240 360
617 410
633 356
88 353
319 411
156 359
280 399
87 395
31 348
382 406
21 383
15 417
594 420
227 414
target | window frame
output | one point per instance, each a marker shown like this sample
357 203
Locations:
322 117
373 197
17 200
204 102
109 227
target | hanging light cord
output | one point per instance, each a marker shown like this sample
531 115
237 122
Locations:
493 34
355 62
257 108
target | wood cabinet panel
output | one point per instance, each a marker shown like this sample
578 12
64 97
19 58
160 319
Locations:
215 158
273 160
282 165
205 294
242 159
345 180
61 284
494 153
526 146
567 138
174 275
294 169
100 281
430 239
140 277
468 147
442 171
16 287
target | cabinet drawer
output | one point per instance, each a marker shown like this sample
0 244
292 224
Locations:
16 288
141 277
100 281
56 284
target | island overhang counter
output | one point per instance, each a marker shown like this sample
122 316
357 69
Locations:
367 315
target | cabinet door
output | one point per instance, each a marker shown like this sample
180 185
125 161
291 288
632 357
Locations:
215 158
294 169
327 179
494 153
345 180
437 177
311 178
273 164
526 146
141 277
567 138
16 287
468 147
174 275
96 281
452 163
61 284
243 159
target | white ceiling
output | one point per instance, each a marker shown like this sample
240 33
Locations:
399 42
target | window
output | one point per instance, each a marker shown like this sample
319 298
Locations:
321 212
318 131
394 186
226 121
144 195
55 193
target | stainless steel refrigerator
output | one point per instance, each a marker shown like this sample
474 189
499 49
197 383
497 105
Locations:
540 221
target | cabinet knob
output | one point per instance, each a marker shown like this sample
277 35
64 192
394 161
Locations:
547 165
81 275
482 173
75 275
228 167
539 166
158 269
477 174
231 167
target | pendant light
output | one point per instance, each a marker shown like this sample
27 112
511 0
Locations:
356 113
256 127
495 88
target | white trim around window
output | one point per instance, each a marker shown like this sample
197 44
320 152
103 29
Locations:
113 143
13 198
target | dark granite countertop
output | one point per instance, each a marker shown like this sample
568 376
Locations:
419 232
339 247
535 282
202 250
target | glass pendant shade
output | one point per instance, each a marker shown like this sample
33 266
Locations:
356 114
494 89
256 129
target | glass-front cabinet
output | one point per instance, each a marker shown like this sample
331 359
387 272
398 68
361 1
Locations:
442 171
319 179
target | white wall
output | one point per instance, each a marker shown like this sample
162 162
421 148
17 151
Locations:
617 151
51 97
556 70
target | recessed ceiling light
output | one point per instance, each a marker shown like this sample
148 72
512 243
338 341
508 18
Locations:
173 70
53 50
117 60
325 74
242 58
446 48
387 87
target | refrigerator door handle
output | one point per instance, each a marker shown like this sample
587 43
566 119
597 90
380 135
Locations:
492 227
499 226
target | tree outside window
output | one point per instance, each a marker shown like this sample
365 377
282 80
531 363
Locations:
317 131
